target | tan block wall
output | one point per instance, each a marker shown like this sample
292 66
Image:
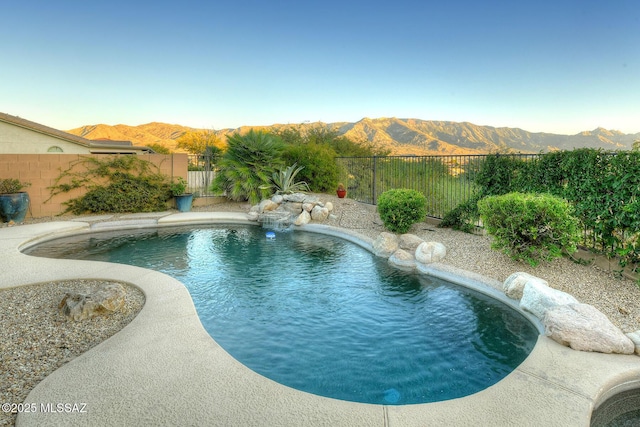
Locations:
41 170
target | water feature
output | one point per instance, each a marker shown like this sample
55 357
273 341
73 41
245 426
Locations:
276 220
323 315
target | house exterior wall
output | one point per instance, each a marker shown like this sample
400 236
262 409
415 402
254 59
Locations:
15 139
41 170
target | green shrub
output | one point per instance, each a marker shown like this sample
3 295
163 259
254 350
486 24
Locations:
463 217
178 187
399 209
125 193
113 184
320 170
530 227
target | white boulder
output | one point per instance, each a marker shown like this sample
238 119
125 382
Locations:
319 214
583 327
428 252
410 242
302 219
537 298
514 285
385 244
403 259
635 337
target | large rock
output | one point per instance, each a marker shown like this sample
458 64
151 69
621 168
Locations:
319 214
104 300
267 205
403 260
428 252
300 198
583 327
635 337
385 244
329 206
514 285
537 298
410 242
302 219
292 207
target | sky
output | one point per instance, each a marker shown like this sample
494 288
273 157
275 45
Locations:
555 66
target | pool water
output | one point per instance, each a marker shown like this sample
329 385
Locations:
323 315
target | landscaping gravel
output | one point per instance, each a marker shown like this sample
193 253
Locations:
35 339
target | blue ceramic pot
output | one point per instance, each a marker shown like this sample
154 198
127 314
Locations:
183 202
13 207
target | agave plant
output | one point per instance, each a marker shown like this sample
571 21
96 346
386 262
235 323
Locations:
283 180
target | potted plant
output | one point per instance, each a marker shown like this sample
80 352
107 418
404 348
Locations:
183 199
341 191
14 203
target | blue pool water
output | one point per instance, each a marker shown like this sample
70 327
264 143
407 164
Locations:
323 315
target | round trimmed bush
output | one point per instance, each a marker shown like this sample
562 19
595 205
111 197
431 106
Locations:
399 209
530 227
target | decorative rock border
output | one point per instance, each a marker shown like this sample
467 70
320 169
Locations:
565 320
281 211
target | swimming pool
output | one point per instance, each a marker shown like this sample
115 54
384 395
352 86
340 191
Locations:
325 316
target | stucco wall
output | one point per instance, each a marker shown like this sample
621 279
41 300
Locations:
41 170
15 140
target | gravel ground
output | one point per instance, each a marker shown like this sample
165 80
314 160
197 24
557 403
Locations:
35 339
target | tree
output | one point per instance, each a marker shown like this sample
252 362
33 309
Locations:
246 168
196 142
160 149
636 145
323 135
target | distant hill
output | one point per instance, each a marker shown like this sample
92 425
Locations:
401 136
145 135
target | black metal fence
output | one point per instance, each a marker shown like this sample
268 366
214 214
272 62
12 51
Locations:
446 181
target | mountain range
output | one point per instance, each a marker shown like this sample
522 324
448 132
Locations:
399 136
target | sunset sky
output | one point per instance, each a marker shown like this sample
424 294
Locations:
547 66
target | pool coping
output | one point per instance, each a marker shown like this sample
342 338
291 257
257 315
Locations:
164 368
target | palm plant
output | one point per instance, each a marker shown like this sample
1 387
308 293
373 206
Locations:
284 183
246 168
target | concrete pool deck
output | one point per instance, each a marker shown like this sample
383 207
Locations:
164 368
